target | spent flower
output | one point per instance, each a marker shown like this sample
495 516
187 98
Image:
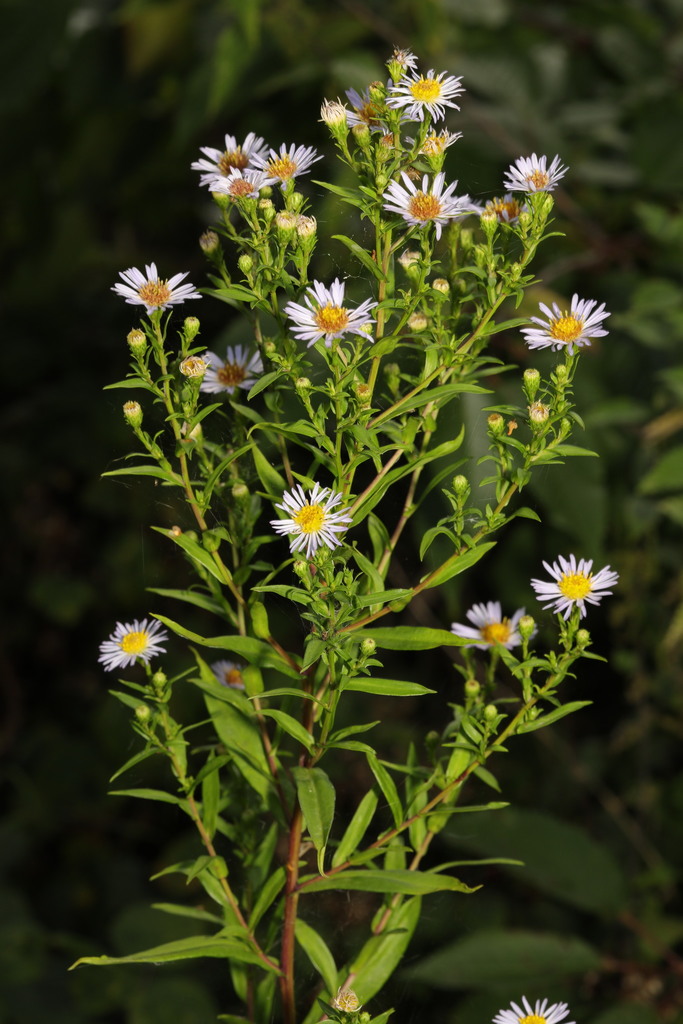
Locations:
312 521
574 584
131 641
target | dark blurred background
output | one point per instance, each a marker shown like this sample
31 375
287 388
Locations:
104 105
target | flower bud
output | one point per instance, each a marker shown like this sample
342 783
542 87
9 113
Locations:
472 688
301 568
525 219
496 424
333 113
489 222
565 428
531 382
159 681
490 712
302 384
269 348
285 223
267 208
137 342
132 412
561 373
583 638
526 627
209 242
245 263
368 646
361 134
240 491
461 486
143 713
440 284
362 392
306 226
417 322
222 200
190 327
377 92
193 366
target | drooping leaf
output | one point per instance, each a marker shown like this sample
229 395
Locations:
316 796
317 951
356 828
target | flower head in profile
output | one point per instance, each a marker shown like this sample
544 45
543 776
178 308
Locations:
574 584
570 328
150 291
239 369
420 94
325 315
541 1013
287 164
228 674
235 157
436 144
240 184
131 641
429 204
506 208
311 520
405 58
489 627
529 174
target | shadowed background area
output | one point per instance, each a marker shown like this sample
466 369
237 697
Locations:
104 106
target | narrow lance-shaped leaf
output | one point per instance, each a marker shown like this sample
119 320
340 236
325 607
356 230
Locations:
316 796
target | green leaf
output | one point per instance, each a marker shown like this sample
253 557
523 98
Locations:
151 794
571 449
388 787
317 951
386 687
263 382
381 954
254 652
316 796
291 726
156 471
356 829
457 564
410 883
273 484
219 945
194 550
269 892
666 474
131 762
362 256
554 716
194 597
506 959
411 638
178 910
211 791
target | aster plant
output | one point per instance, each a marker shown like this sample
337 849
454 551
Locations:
297 463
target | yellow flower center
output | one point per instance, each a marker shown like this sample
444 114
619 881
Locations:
424 206
533 1018
575 585
331 319
504 207
233 677
539 179
231 374
496 632
567 328
310 518
283 168
240 188
425 90
231 159
155 293
134 643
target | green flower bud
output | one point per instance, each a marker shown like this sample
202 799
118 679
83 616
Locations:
240 491
526 627
361 134
132 412
245 263
362 392
561 373
490 712
267 208
531 383
496 424
137 342
461 487
143 713
368 646
440 284
159 681
472 688
417 322
583 638
302 384
191 327
301 568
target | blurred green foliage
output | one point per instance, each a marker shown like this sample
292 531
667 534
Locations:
104 105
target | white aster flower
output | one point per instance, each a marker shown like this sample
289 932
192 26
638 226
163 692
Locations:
428 204
312 521
131 641
506 208
325 315
489 627
150 291
240 184
540 1014
233 157
574 584
420 93
288 163
239 369
529 174
365 110
228 674
569 328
